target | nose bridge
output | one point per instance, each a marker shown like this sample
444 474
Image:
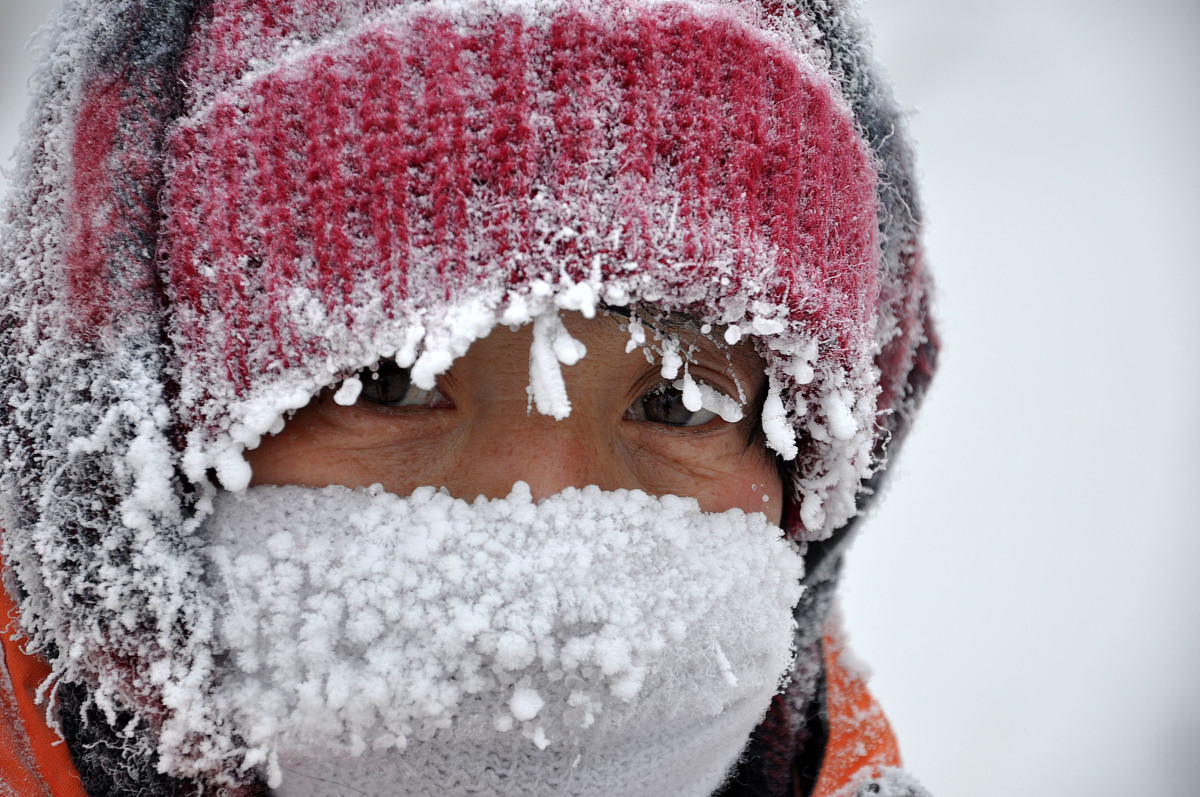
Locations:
548 454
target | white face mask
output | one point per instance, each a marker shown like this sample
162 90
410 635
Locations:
596 643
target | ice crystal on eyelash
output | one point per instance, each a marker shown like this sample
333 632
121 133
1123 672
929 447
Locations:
698 395
671 357
350 390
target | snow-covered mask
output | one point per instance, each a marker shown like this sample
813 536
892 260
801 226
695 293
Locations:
594 643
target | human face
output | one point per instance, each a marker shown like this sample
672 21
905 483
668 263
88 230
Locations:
476 434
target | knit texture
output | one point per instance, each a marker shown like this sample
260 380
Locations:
402 186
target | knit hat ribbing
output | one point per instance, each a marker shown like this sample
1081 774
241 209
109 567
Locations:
406 185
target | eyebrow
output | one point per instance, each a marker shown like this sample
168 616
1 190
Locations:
676 323
743 359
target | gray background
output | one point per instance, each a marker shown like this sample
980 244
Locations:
1027 593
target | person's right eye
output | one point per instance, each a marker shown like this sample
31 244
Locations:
389 385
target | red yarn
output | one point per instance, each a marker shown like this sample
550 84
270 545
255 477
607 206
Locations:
427 158
92 216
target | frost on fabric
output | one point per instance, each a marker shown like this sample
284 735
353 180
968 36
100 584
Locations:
99 537
833 411
364 620
617 227
552 345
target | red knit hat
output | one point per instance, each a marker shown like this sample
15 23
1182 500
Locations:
223 207
346 185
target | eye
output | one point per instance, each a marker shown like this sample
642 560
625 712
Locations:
663 404
390 385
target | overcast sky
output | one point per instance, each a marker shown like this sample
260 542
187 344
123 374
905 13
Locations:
1027 593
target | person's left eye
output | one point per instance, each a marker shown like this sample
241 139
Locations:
389 385
663 404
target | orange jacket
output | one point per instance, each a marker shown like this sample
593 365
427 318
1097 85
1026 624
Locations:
34 761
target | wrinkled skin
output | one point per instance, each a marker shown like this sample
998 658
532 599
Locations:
476 433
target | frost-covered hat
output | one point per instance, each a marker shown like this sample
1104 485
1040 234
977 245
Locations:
222 207
354 183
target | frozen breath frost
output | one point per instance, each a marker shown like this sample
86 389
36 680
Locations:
365 620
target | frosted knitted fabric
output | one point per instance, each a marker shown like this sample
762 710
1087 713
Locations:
400 187
596 643
616 761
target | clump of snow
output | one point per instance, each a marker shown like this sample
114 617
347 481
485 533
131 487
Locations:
525 704
690 392
698 395
637 334
552 345
672 360
462 324
579 296
349 391
837 406
359 619
780 436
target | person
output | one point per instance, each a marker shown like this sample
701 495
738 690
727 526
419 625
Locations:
465 397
